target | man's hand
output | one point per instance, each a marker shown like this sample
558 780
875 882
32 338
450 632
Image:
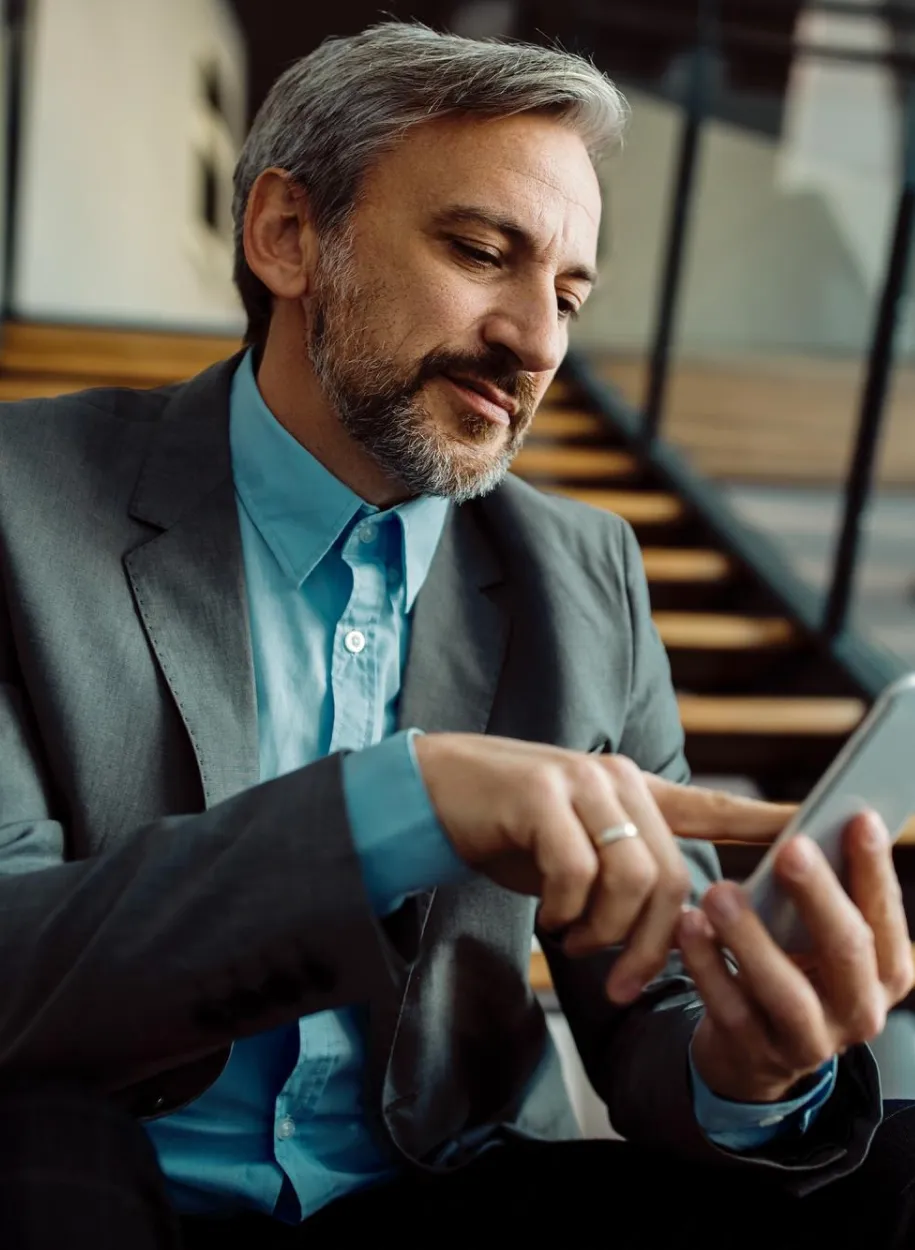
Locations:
528 815
779 1019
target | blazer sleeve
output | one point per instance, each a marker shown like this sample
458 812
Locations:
189 932
637 1057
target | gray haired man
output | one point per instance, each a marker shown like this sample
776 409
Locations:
308 712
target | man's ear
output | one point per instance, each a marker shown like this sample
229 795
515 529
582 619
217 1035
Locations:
279 238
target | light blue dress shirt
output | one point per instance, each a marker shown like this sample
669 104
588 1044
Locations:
331 582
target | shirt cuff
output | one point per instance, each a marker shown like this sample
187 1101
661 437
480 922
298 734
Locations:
740 1126
401 844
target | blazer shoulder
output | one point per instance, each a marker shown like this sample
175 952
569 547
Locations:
120 403
557 520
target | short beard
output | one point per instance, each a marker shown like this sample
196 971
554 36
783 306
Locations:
377 402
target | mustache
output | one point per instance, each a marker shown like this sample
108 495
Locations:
492 367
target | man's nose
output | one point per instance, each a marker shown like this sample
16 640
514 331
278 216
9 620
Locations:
530 329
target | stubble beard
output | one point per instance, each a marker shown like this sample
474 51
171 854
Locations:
379 403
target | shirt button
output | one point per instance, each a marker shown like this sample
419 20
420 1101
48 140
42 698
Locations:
366 533
354 641
393 576
285 1128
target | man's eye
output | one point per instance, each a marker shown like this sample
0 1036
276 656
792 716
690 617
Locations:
568 310
476 254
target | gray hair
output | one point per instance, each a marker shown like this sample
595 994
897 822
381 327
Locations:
333 113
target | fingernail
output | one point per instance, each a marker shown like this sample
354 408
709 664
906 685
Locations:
624 990
797 858
725 905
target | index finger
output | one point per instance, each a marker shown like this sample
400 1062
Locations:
696 812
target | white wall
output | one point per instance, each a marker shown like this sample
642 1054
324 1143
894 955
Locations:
109 183
4 70
843 132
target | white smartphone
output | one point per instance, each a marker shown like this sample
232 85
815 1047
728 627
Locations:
876 770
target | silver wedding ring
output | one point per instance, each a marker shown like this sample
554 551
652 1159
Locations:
616 833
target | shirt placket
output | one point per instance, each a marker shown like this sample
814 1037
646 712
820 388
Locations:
354 675
323 1044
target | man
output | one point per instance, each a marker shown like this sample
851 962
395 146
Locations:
220 602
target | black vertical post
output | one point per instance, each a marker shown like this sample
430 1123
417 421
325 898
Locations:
873 399
659 367
12 21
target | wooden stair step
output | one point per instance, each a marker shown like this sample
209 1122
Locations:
562 423
573 462
104 355
638 507
724 631
770 715
686 564
559 392
907 837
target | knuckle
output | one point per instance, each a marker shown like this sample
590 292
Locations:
676 883
901 977
813 1053
859 946
583 772
736 1016
642 874
622 769
544 785
867 1019
575 872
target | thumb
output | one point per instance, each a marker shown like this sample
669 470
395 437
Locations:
695 812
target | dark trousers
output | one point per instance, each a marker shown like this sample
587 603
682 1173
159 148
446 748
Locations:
75 1172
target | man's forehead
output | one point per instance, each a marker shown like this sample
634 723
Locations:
528 168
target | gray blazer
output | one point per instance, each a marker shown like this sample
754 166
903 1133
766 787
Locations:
157 903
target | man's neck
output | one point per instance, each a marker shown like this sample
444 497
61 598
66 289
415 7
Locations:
291 391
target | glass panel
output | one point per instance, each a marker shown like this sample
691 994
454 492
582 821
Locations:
800 164
617 327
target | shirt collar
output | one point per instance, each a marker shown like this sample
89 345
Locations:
299 507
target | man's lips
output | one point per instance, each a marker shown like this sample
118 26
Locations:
495 399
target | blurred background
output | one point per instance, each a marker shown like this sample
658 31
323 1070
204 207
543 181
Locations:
741 386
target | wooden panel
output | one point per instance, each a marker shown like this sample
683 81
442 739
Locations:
907 837
559 393
722 631
128 356
640 507
540 972
685 564
760 714
573 462
566 423
777 418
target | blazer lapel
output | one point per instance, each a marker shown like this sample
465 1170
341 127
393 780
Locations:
188 582
459 635
457 649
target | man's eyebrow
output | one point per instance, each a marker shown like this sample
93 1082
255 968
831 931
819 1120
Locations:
510 228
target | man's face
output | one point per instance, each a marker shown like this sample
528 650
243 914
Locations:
440 314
